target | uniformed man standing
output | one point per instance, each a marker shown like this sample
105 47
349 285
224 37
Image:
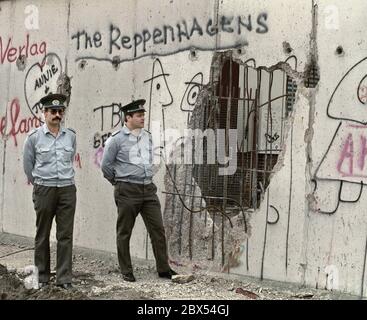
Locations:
48 163
127 163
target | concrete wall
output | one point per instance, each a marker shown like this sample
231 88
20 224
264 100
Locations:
116 51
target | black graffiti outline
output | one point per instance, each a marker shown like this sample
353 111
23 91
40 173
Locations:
237 45
336 88
295 61
323 158
112 105
151 80
163 107
252 109
271 138
265 235
41 66
359 89
223 25
341 181
277 213
194 85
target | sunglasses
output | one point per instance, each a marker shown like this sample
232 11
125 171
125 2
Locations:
54 111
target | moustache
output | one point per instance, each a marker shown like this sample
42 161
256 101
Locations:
58 118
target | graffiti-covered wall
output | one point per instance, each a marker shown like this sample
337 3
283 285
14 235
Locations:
273 94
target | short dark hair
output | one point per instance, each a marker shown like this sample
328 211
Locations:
128 114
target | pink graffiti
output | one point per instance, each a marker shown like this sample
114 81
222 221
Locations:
78 161
17 125
352 162
98 157
10 52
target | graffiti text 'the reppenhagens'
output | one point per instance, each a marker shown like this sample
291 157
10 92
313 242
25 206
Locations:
115 41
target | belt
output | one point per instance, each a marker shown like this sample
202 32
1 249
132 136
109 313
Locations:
135 180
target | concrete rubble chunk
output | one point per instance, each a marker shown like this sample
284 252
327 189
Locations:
247 293
304 295
182 278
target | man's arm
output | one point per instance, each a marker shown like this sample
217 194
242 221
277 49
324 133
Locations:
29 157
108 160
74 143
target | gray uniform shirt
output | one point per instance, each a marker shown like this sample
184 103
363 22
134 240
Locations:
128 157
48 160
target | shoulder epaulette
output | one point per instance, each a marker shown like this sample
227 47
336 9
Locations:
32 132
114 133
147 131
72 130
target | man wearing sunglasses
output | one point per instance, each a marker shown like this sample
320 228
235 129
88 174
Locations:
48 164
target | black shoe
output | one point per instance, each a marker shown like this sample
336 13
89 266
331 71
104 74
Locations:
65 286
167 274
128 277
42 285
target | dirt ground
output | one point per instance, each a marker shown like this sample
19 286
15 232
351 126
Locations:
96 276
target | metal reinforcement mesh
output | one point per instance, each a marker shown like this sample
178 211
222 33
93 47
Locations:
253 102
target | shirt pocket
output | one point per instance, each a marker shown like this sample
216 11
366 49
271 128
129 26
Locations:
44 154
68 153
127 153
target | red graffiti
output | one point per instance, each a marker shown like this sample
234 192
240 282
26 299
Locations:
11 52
78 161
347 165
17 125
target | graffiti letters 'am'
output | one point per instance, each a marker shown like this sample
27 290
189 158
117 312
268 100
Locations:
17 125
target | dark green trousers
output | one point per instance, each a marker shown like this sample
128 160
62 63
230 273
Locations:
50 202
132 199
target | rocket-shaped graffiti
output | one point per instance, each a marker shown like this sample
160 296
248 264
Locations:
345 158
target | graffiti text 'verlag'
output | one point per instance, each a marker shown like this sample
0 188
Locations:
10 52
17 125
182 31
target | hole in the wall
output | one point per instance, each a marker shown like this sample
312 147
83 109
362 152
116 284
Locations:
82 64
339 51
50 59
116 62
311 74
255 103
193 54
240 102
287 48
21 62
64 85
240 51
